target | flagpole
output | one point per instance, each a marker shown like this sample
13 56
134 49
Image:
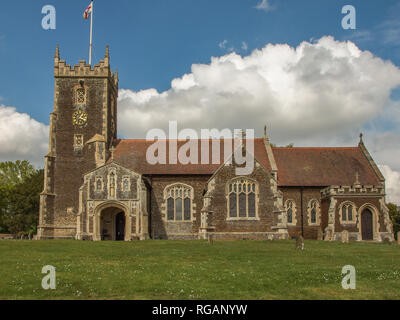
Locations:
91 35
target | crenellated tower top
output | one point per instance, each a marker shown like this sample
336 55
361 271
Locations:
84 70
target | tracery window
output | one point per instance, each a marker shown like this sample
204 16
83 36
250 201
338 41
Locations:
313 212
290 207
80 96
179 198
347 212
241 197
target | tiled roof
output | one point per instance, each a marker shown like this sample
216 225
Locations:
132 155
322 167
296 166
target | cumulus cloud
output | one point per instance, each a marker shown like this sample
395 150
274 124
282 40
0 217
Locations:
22 138
320 93
392 184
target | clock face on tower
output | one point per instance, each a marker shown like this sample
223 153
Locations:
79 118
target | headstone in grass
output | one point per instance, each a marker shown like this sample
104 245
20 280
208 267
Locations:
328 234
211 239
300 242
345 236
320 235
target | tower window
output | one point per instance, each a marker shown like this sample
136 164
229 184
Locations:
80 96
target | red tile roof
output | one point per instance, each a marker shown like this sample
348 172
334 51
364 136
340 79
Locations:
322 167
296 166
132 155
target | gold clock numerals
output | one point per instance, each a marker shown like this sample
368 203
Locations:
79 118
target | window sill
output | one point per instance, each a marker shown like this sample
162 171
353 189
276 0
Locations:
243 219
348 223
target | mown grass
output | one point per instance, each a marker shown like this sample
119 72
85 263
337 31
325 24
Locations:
197 270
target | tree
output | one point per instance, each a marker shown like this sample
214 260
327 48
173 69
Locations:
394 214
12 173
20 186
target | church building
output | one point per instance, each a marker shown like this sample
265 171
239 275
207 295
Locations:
98 187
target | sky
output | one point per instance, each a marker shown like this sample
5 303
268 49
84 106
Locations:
288 64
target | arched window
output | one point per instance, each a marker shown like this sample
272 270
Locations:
347 213
290 207
241 197
179 198
313 212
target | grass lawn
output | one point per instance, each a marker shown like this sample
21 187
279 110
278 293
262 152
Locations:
195 270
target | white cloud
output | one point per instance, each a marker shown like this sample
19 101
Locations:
245 46
264 5
392 184
317 93
321 93
22 138
223 44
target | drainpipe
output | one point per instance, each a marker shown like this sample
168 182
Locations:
302 212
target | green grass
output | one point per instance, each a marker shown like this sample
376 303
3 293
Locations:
196 270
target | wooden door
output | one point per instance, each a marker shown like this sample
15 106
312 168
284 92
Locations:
120 227
367 225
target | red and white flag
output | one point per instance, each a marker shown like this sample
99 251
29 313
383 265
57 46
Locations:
88 11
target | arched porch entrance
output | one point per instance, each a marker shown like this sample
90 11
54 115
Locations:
113 223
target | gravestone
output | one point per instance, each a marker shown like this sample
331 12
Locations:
210 239
320 235
328 235
345 236
300 243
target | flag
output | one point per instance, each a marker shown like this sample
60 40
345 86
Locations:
88 11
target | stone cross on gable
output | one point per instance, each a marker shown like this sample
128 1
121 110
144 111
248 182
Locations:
357 182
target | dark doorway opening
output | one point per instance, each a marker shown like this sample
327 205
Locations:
120 226
367 225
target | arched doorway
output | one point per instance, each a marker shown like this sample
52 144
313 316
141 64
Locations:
112 224
367 229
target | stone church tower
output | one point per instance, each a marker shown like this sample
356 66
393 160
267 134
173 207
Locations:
82 128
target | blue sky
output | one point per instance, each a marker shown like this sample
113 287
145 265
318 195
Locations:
154 41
